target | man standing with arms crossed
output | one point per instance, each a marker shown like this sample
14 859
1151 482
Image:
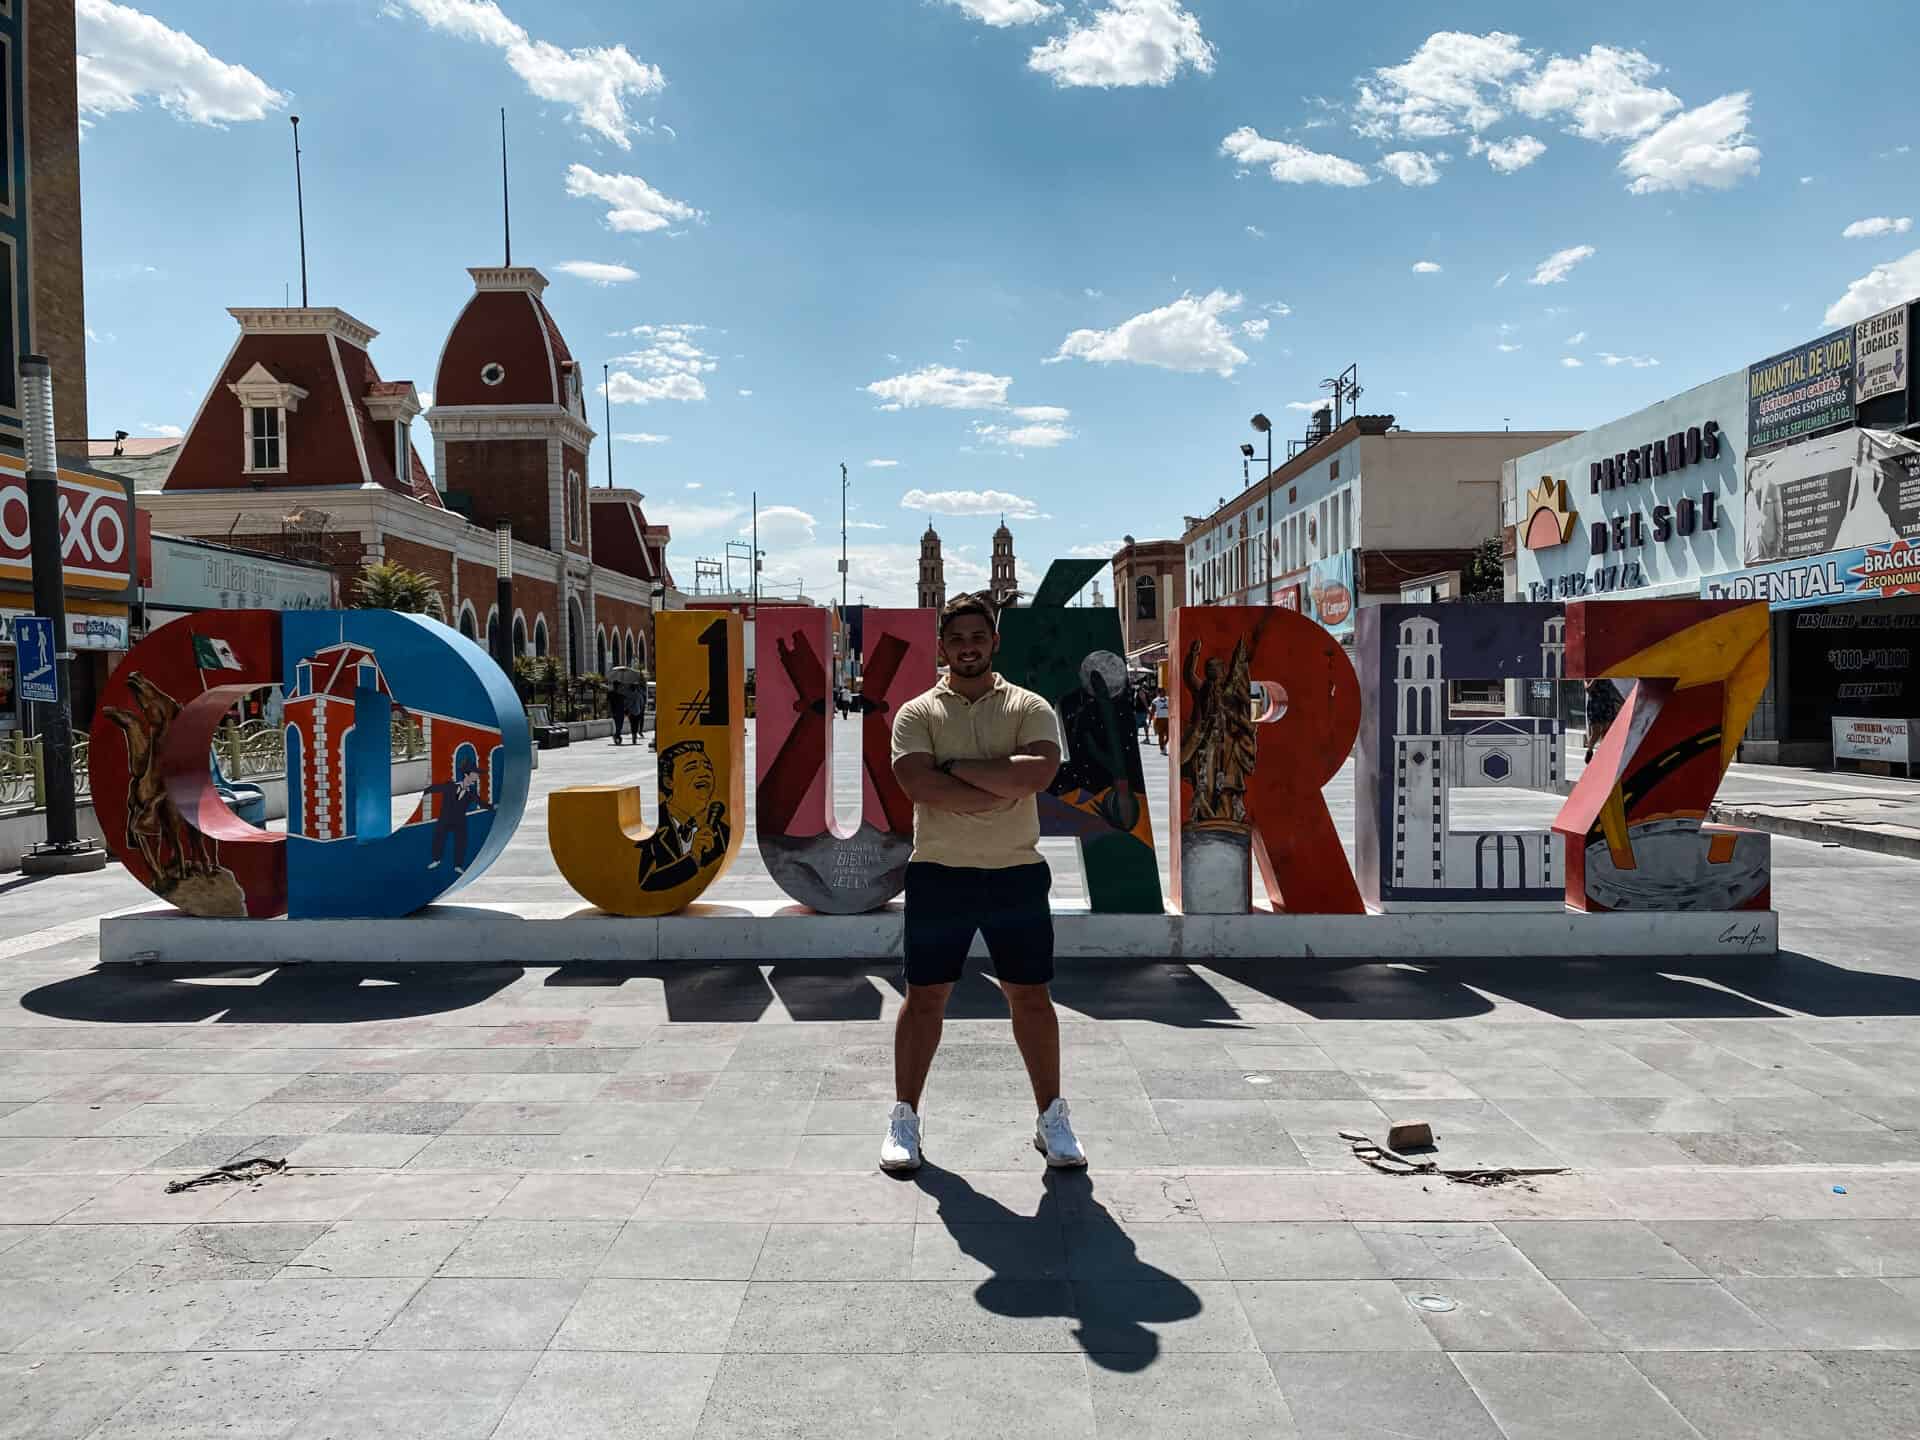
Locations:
972 753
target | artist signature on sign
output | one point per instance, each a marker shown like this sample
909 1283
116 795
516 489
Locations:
1737 937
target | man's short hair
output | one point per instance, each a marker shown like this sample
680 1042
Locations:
964 604
671 756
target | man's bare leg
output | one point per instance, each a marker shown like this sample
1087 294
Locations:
916 1036
1036 1030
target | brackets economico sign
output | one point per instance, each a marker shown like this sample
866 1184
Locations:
1866 572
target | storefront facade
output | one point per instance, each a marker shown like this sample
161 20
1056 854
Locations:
1789 481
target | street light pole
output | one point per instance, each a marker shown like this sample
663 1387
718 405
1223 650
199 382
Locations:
1265 427
503 593
64 852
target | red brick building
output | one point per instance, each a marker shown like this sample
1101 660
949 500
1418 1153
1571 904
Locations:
302 448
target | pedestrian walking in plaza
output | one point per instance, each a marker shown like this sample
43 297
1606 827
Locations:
972 753
617 708
1162 720
1603 703
1142 708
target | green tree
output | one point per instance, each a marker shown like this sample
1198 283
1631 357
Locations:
390 586
1485 577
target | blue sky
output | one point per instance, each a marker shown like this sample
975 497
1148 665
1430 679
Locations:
1042 256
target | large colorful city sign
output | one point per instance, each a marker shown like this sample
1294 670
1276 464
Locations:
1266 709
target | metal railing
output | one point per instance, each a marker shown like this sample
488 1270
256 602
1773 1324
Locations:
254 750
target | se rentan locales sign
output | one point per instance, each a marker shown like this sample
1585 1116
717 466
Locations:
1246 789
1880 355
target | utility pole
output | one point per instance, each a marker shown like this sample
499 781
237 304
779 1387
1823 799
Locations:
64 853
843 537
756 550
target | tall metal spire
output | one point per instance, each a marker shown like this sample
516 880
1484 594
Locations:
506 212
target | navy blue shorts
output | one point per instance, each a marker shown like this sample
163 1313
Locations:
947 905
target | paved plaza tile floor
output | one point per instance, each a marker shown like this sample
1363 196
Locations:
582 1200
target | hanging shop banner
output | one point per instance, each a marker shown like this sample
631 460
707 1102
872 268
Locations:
1329 594
1857 487
1868 572
1800 391
1880 355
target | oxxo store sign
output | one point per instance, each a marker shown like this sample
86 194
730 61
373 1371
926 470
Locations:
1636 505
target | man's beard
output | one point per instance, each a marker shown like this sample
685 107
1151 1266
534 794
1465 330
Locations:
970 669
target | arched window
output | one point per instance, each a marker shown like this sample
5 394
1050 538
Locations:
600 649
1426 712
469 626
1431 671
493 631
576 636
519 635
1147 598
540 637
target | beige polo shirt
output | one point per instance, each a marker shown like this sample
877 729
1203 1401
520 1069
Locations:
946 725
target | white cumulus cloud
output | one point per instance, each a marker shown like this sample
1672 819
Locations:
1638 362
668 366
1555 268
1256 328
1256 232
1127 42
166 432
1880 288
1425 267
1039 435
1507 156
1579 337
1289 163
1571 363
1453 80
1876 226
1048 413
1604 93
970 503
597 271
124 56
633 206
783 525
943 387
596 82
1002 13
1707 146
881 464
1310 406
1412 167
642 437
1186 335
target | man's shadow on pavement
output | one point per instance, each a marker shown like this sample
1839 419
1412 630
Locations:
1070 1258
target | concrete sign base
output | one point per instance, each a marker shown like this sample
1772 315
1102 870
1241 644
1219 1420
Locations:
778 931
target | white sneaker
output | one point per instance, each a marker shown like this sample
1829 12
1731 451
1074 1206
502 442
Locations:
901 1149
1053 1137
